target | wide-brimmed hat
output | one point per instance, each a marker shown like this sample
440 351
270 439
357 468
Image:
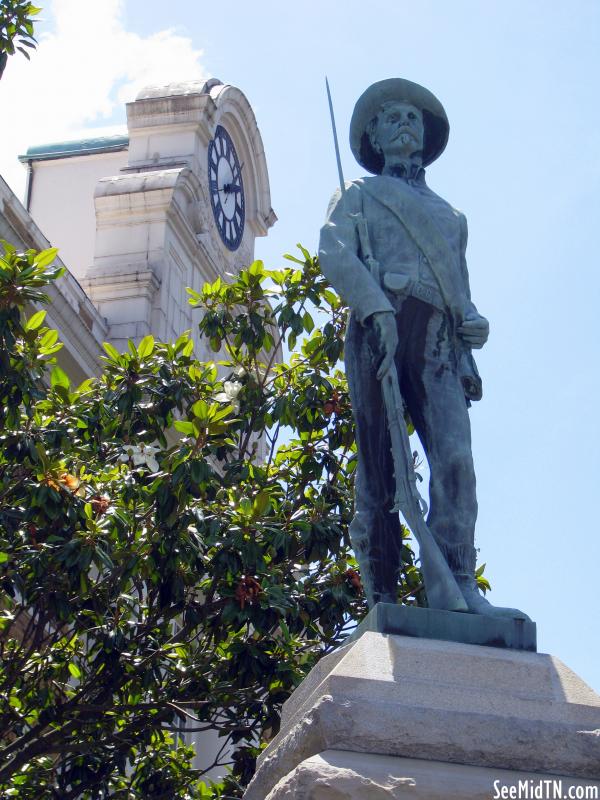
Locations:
368 106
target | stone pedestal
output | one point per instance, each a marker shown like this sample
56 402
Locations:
342 775
391 716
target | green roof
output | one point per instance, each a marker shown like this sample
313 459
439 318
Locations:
80 147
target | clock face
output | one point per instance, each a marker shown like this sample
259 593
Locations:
226 188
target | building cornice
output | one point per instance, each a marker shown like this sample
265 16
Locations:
81 327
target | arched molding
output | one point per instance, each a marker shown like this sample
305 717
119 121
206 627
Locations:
235 114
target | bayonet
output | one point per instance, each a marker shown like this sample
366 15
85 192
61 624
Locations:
335 140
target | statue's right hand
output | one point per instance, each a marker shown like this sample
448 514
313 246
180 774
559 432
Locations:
384 325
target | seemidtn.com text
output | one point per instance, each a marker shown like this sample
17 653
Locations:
544 789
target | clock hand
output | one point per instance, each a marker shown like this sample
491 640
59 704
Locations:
231 186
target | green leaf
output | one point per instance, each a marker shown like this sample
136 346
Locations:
293 258
3 558
308 322
146 346
104 557
246 506
304 252
85 386
182 340
183 426
59 378
43 456
285 630
74 670
45 257
49 339
198 430
201 409
34 322
256 268
222 413
262 503
47 351
112 351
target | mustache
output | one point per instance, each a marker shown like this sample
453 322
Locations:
403 132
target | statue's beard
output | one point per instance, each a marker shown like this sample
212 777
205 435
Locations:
406 138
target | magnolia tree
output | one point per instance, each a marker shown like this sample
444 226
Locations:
16 29
174 545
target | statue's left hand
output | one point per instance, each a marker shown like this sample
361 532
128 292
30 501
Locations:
474 331
384 324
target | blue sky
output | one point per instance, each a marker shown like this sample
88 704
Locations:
519 83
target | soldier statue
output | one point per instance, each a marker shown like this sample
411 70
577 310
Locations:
395 251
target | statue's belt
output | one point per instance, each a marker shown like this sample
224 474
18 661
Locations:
404 286
399 284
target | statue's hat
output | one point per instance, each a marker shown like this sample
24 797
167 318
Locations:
400 90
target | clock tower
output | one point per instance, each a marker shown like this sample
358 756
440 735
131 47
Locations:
185 209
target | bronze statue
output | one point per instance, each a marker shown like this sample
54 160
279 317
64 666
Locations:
395 251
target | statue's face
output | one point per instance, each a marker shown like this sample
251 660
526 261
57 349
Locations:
399 130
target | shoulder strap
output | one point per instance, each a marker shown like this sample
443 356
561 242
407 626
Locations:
428 239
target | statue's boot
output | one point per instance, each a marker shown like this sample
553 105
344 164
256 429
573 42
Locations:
478 604
461 560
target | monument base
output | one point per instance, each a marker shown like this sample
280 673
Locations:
449 626
436 708
336 774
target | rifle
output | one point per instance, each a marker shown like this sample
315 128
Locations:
440 584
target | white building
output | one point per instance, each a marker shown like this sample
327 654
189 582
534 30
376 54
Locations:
138 218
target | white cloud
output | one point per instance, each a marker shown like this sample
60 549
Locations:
81 74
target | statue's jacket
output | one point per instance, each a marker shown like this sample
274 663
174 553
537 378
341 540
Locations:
403 266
